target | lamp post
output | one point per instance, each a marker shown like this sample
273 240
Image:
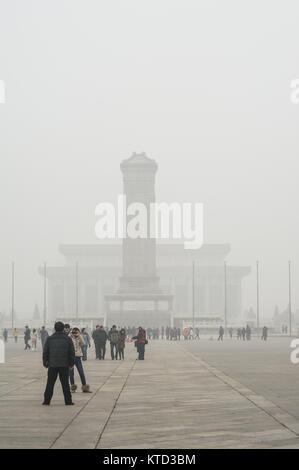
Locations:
225 296
77 293
290 299
12 293
257 298
45 294
193 294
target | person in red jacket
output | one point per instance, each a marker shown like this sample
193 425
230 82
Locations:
141 341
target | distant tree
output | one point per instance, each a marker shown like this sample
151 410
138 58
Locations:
36 314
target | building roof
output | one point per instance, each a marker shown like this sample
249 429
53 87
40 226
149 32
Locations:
163 248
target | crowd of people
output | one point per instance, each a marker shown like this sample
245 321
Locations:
118 337
66 348
242 333
31 337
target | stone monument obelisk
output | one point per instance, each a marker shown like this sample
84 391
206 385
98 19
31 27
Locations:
139 299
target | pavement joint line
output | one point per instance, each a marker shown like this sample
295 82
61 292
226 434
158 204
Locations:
238 388
115 404
84 406
20 387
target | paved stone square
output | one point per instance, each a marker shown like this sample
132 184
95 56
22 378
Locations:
184 395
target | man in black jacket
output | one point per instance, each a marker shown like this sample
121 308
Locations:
100 338
58 358
113 337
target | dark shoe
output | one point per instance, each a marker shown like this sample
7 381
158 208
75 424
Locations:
71 403
45 403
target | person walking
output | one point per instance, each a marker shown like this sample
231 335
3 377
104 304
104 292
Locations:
58 358
248 333
140 343
221 333
34 340
121 344
27 337
264 333
186 333
100 337
86 343
78 343
95 337
15 334
5 335
167 332
113 337
43 336
243 333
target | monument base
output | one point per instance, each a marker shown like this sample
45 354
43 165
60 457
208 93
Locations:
146 310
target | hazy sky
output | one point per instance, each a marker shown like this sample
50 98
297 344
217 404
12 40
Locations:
201 86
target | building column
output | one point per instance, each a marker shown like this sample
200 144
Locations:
207 298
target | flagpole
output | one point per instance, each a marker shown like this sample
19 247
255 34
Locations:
225 296
257 298
77 293
12 293
45 293
193 294
290 299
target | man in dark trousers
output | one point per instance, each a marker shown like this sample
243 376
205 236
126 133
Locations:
221 333
58 358
43 336
265 333
27 337
113 337
94 335
100 337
